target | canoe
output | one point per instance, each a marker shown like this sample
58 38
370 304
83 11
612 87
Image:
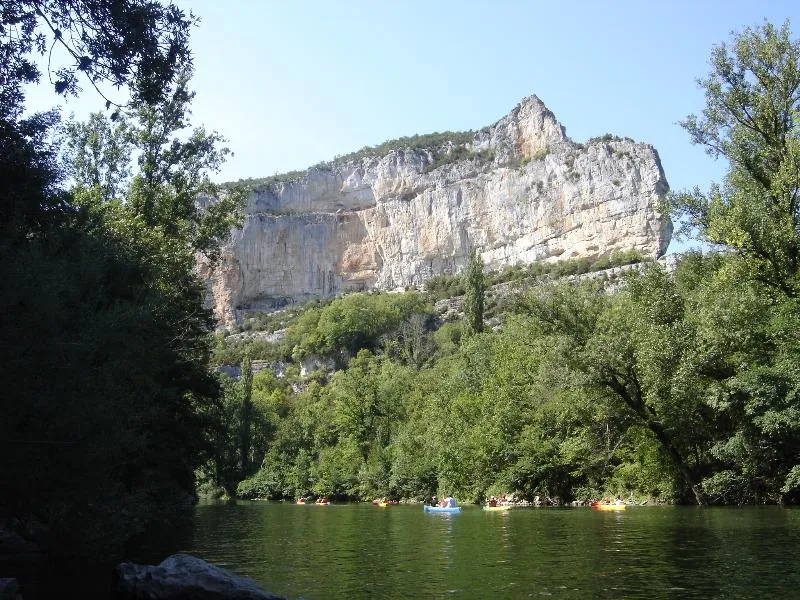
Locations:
497 508
442 509
608 506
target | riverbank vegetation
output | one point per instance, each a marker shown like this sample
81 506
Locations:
664 390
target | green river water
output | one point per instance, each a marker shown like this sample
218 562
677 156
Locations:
361 551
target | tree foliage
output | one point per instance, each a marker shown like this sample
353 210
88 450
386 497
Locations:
750 119
475 286
747 306
137 43
111 407
99 152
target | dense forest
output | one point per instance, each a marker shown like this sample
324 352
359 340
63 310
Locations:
676 386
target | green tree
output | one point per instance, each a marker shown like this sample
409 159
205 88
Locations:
475 285
135 43
108 440
749 303
172 189
99 152
747 355
246 418
750 119
360 409
635 349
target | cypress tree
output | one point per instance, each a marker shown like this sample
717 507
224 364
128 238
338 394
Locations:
475 285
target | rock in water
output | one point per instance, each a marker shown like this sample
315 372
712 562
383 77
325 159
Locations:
182 576
518 191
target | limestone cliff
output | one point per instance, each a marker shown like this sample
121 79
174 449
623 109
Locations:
519 191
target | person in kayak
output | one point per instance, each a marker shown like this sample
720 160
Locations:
492 501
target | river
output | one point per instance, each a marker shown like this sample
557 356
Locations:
361 551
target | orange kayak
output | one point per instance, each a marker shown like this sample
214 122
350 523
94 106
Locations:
608 506
385 503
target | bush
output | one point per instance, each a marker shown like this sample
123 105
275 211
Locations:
264 484
541 153
444 286
452 155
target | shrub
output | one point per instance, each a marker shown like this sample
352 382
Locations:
541 153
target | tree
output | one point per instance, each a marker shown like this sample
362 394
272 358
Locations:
246 417
751 119
107 440
99 152
749 306
137 43
475 288
634 349
172 189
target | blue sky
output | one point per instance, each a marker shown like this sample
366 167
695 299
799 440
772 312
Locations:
293 83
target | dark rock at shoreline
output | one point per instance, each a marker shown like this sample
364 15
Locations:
182 577
9 589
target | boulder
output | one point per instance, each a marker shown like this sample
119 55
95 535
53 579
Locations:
182 577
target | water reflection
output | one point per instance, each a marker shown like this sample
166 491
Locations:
359 551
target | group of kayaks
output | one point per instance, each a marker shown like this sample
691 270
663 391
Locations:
383 503
506 507
310 502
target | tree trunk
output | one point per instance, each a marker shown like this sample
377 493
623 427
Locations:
634 401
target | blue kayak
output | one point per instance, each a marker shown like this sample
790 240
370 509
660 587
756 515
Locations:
442 509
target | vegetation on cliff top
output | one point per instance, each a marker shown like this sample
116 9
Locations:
440 145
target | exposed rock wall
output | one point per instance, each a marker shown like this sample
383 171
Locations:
524 192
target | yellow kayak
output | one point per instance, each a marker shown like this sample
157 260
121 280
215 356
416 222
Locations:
497 508
608 506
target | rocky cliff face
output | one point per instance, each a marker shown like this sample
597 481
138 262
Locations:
519 191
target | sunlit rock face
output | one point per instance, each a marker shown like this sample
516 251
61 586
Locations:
522 191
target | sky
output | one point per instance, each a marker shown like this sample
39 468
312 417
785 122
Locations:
292 83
